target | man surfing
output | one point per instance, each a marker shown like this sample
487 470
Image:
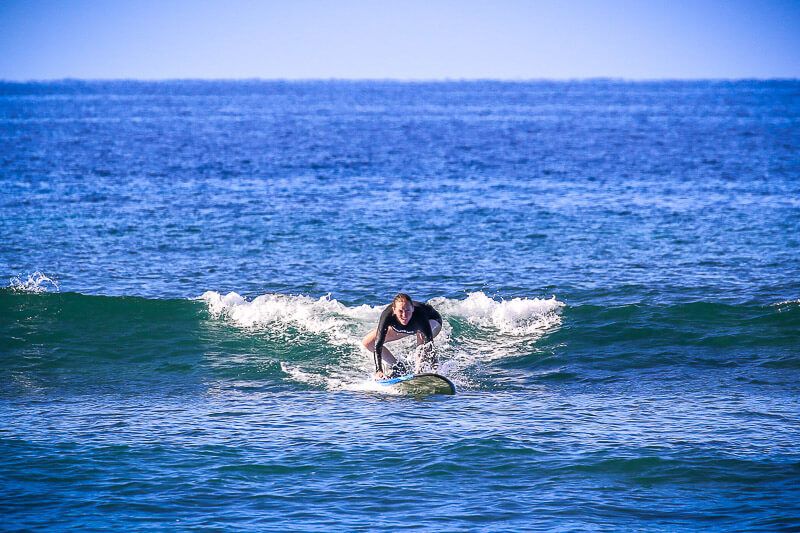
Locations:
401 318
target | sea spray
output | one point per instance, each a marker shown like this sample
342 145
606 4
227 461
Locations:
36 282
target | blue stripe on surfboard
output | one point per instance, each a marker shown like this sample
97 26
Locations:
393 381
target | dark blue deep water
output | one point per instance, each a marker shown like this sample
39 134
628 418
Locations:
189 268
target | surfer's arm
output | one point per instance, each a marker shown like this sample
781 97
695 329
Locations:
423 340
378 361
379 350
380 337
424 333
426 351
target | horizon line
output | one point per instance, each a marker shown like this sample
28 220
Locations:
618 79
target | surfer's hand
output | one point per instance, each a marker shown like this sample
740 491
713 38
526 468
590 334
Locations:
378 375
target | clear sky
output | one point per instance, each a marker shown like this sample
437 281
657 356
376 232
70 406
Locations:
402 39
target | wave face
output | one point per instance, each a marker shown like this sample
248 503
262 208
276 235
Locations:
299 342
272 340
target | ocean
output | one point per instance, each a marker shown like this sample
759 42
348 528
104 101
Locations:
188 268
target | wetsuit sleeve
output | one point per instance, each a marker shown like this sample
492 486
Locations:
423 314
426 349
427 332
383 327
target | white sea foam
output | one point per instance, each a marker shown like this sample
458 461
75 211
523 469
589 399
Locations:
518 316
500 328
369 385
321 316
36 282
302 376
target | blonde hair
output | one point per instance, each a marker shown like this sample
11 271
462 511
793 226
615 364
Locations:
401 297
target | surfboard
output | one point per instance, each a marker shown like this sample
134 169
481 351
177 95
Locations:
421 384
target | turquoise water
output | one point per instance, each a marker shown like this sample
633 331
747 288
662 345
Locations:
190 268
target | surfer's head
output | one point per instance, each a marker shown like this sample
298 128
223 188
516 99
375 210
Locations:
403 308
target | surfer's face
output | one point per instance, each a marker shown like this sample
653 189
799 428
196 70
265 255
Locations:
403 311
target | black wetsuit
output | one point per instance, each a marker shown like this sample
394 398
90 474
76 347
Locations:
419 322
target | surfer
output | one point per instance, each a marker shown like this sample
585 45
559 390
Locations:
401 318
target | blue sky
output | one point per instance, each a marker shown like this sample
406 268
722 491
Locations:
404 39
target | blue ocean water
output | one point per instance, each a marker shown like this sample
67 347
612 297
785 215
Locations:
190 267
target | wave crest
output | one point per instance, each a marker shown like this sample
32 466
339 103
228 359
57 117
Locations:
37 282
518 316
323 315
